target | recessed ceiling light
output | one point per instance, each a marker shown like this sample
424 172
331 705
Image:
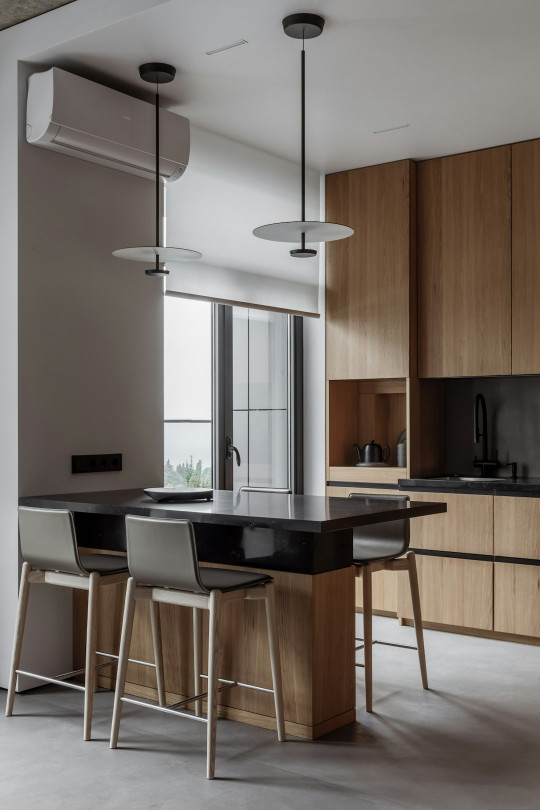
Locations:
390 129
227 47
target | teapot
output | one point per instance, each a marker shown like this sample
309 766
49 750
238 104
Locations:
372 453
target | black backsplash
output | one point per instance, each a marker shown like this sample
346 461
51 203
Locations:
513 412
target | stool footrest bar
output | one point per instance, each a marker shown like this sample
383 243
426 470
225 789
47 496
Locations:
391 644
131 660
244 685
203 695
163 709
81 671
50 680
386 644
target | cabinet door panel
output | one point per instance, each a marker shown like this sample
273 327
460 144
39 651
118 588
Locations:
454 592
517 527
370 277
466 527
526 258
464 264
517 599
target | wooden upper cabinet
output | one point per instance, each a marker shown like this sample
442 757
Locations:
464 264
370 277
526 258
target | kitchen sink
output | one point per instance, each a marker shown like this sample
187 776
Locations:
468 478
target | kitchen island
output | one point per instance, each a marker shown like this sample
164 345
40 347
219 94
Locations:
304 541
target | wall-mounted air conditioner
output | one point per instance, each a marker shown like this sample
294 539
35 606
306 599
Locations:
83 119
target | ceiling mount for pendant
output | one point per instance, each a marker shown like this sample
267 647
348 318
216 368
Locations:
303 26
157 73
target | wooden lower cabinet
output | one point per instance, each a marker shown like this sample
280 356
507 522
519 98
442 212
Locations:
467 526
481 595
517 599
517 586
517 527
452 591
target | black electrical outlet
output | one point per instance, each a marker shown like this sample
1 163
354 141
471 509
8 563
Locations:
103 462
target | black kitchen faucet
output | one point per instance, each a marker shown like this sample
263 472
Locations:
485 462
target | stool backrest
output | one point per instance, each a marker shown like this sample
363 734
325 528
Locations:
393 534
48 540
163 552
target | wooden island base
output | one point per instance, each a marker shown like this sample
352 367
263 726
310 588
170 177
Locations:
315 616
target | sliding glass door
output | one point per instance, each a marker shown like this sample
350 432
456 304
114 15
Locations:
259 403
233 408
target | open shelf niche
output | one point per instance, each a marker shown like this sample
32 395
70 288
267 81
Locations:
359 411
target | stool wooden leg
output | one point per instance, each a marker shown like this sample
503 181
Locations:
125 643
368 635
275 658
24 590
417 614
213 662
197 657
155 621
91 640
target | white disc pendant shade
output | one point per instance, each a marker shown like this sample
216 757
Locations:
149 254
303 26
313 231
157 73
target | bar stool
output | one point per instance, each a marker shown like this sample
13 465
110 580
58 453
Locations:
380 547
162 559
49 549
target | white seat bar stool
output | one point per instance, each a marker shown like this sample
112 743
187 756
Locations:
49 550
162 559
381 547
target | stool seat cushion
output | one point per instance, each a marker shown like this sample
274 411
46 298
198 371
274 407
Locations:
375 550
104 563
227 580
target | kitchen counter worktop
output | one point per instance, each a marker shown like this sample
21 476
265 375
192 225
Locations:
526 487
307 534
311 513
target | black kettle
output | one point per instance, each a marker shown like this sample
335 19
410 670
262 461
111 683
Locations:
372 453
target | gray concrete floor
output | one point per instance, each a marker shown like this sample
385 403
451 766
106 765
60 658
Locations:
471 741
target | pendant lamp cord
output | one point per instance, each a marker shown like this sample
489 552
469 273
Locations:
158 242
303 83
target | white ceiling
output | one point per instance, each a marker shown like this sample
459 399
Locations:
463 73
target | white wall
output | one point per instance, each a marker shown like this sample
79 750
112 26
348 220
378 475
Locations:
229 189
90 325
23 42
90 348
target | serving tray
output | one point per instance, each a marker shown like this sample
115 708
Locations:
179 494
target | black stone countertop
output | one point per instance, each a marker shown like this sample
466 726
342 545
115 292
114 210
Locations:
527 487
309 513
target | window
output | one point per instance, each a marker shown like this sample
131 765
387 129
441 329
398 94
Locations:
188 393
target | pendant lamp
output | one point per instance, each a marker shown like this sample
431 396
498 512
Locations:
303 26
157 73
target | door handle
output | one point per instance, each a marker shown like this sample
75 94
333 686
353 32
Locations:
230 449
